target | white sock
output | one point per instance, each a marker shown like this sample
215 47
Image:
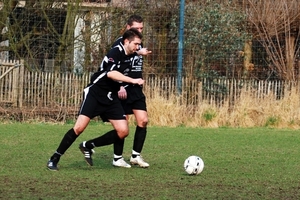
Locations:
117 156
135 153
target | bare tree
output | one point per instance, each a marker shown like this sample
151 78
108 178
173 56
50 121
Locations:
276 25
6 7
37 30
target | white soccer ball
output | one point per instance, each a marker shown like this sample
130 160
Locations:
193 165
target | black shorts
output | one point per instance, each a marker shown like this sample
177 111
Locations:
92 107
136 100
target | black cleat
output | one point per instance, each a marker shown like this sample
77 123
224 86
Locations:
52 165
87 153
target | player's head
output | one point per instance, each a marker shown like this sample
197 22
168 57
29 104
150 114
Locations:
131 34
135 21
132 39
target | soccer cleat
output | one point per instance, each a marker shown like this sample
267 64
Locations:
121 163
87 153
52 165
138 160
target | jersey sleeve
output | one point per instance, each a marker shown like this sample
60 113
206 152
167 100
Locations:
112 60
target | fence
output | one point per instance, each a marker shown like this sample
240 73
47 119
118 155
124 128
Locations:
11 76
49 92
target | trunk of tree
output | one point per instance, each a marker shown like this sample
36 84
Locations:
290 57
248 66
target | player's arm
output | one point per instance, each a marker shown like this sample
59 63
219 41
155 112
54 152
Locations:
118 76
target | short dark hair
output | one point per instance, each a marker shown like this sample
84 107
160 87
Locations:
131 33
134 18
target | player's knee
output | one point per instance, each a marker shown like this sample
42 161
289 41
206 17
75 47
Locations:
81 123
143 122
78 130
123 133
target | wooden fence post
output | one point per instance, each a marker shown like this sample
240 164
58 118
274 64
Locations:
20 84
15 81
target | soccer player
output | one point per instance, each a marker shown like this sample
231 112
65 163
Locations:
134 100
101 99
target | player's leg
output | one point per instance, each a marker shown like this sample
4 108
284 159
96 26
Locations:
141 130
115 136
139 137
86 112
118 152
120 132
119 144
123 131
68 139
79 128
116 116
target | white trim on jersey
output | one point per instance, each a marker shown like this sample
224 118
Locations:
99 77
85 91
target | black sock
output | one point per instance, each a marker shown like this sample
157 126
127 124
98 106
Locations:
65 143
55 157
139 138
106 139
119 146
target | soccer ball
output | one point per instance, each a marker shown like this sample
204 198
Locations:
193 165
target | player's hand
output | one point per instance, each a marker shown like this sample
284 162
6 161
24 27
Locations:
144 52
122 94
138 81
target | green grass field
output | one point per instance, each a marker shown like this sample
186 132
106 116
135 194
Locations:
256 163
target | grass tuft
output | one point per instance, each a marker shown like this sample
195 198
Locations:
246 111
